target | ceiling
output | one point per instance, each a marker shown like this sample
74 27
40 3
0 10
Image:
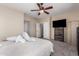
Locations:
57 8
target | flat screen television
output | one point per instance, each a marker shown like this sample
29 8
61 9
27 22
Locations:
59 23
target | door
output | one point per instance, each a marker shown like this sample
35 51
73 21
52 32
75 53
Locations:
38 30
46 30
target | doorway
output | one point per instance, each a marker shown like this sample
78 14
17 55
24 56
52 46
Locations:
59 34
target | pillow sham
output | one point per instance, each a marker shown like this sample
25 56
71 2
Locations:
20 39
27 37
12 39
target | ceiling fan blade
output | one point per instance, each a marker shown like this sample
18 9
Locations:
38 4
46 12
38 13
41 3
35 10
50 7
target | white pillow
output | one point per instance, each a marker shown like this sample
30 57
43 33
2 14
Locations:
26 37
12 39
20 39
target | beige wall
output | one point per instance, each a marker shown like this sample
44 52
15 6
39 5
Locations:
70 31
11 22
32 26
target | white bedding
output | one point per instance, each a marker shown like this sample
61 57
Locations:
40 47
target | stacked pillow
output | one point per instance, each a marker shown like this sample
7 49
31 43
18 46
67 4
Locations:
27 37
20 38
12 39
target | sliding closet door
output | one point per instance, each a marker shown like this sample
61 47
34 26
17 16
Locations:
38 30
46 30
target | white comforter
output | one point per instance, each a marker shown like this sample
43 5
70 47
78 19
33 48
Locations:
40 47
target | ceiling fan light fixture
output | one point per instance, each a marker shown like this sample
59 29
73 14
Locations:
41 11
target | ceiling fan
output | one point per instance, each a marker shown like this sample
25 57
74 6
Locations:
42 9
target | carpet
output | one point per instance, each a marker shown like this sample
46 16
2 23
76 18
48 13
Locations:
63 49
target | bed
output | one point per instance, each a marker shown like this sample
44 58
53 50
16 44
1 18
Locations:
40 47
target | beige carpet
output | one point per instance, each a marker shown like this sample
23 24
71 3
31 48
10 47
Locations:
63 49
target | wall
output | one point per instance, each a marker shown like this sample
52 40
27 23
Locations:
11 22
72 22
32 25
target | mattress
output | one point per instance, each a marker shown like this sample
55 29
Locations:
40 47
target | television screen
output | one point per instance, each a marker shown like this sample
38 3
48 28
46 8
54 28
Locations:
59 23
